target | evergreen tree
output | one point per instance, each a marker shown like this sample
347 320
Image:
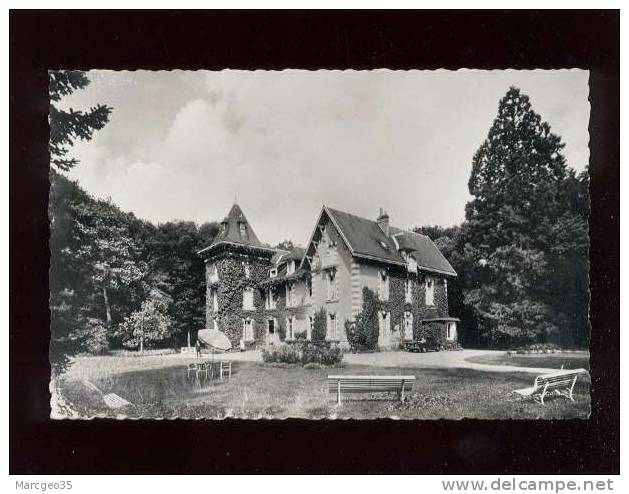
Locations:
68 126
521 206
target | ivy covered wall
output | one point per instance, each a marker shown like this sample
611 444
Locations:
230 288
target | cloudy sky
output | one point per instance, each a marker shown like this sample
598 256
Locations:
184 145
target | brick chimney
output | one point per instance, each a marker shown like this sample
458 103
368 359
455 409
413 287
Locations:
383 221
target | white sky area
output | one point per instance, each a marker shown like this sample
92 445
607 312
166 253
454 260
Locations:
183 144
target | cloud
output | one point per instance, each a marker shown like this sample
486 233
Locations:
184 144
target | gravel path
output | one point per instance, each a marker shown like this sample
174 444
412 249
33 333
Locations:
95 367
437 360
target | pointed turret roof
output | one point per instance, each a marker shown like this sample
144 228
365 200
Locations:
236 229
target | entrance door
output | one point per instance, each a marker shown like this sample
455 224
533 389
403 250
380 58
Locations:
272 336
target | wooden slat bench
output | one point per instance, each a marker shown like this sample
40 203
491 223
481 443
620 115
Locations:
561 382
370 384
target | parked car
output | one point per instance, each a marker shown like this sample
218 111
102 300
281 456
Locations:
424 345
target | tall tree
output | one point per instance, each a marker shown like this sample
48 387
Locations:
172 255
66 126
107 247
520 187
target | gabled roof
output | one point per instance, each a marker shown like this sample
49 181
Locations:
230 232
423 250
365 239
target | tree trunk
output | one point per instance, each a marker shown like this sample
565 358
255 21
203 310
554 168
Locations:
107 306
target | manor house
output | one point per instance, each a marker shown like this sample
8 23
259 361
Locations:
260 295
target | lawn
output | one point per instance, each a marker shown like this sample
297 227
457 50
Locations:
578 360
264 390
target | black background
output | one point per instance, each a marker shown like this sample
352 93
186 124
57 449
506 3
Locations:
45 40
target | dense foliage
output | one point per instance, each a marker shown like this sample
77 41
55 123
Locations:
319 325
149 325
522 253
362 333
104 265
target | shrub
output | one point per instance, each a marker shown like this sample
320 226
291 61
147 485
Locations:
539 347
362 333
319 325
303 352
287 354
301 336
96 342
324 353
452 345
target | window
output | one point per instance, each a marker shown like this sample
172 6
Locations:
445 287
383 285
384 324
451 331
309 286
290 292
332 284
243 228
290 328
247 329
273 272
290 267
430 291
310 324
247 269
408 291
269 300
332 327
247 299
213 273
408 325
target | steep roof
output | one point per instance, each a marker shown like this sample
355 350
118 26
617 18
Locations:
366 239
230 231
423 250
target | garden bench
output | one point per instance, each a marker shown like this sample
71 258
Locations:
561 382
370 384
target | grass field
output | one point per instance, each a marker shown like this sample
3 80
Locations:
263 390
542 360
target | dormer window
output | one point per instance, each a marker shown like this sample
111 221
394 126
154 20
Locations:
290 267
273 272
